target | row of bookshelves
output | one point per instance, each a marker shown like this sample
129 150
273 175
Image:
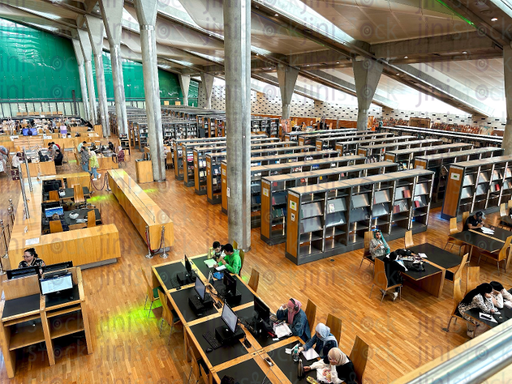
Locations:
330 142
378 151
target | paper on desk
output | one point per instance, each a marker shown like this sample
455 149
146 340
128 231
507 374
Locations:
491 319
310 354
487 231
282 330
210 263
33 241
220 268
423 255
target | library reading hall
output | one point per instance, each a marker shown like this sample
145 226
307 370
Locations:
255 192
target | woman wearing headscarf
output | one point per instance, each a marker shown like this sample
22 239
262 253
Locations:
323 340
296 318
336 367
378 245
481 298
499 294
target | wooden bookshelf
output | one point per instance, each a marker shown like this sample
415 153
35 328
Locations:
260 171
405 157
295 135
274 193
477 185
440 163
310 138
350 147
330 142
330 219
377 152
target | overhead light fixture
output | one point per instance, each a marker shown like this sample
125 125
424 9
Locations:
494 19
307 65
337 62
276 14
398 74
406 57
464 52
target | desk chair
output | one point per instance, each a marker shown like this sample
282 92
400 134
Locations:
72 227
56 226
457 275
408 240
198 366
254 280
54 196
334 323
91 220
472 278
242 258
78 195
235 244
453 231
509 204
168 315
458 295
503 213
359 356
150 293
381 280
368 236
311 314
503 254
465 216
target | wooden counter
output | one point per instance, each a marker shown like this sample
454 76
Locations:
46 168
141 209
83 246
82 178
107 163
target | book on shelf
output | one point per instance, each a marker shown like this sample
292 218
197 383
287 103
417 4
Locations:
406 193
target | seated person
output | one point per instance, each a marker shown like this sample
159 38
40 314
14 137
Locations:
378 245
120 154
56 217
499 295
58 157
111 146
296 318
323 340
30 259
480 297
474 222
393 269
336 367
231 260
217 251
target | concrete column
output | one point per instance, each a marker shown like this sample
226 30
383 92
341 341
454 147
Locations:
185 85
507 71
112 12
367 75
146 14
96 29
287 77
81 74
87 52
207 81
237 54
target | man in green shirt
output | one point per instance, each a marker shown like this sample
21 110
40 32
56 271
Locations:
232 259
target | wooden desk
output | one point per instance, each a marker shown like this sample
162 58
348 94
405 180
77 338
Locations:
29 318
46 168
96 245
106 163
82 178
141 209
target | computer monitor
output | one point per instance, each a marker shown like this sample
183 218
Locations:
57 266
230 283
49 212
56 283
22 272
229 318
200 288
262 311
188 266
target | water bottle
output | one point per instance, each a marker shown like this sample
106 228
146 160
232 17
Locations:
295 354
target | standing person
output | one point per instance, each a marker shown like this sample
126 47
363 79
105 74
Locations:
84 159
378 245
323 340
480 297
93 162
59 157
336 367
296 318
81 145
4 153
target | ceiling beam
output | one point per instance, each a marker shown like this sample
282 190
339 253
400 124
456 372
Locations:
265 77
55 22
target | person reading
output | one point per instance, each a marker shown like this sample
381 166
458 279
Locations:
378 245
296 318
336 367
231 260
323 341
474 222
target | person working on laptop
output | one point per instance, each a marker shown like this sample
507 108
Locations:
296 318
393 269
30 259
474 222
378 245
336 367
231 260
323 340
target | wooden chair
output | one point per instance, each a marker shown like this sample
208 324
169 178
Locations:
235 244
472 278
53 196
465 216
334 323
150 293
168 315
78 194
453 231
381 280
408 240
368 236
359 357
457 275
254 280
91 219
509 204
56 226
72 227
503 213
458 295
311 314
242 258
503 254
